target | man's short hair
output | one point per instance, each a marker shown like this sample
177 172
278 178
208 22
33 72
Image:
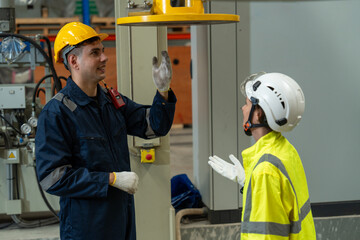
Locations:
77 50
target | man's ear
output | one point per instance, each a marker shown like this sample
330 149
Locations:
259 114
73 62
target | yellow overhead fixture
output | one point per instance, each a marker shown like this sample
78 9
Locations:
162 13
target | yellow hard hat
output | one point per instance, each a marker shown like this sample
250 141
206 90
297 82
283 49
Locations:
72 34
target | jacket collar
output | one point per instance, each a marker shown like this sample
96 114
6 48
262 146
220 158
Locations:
253 153
81 98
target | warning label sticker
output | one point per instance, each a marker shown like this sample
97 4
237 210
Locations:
12 155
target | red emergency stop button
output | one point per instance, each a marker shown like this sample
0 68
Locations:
147 155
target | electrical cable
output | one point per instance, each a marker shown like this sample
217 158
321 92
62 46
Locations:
6 225
36 45
12 126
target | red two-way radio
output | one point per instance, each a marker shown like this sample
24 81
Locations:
115 97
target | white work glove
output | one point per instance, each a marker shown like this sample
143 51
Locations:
234 172
162 74
126 181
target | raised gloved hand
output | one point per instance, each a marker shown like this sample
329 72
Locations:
162 74
126 181
234 172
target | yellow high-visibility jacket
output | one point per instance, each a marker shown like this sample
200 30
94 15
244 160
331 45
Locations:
276 202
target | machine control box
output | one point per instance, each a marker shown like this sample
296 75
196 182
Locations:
12 97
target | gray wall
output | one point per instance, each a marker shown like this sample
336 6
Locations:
315 42
217 119
318 44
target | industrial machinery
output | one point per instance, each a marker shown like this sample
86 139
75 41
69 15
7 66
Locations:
141 33
20 193
166 13
270 34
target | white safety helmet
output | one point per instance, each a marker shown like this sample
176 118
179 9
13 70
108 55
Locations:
279 96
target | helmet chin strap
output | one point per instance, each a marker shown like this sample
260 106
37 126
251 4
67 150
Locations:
248 125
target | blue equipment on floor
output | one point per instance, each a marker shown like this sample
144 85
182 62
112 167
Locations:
183 193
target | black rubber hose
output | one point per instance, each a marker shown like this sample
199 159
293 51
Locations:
37 87
48 47
38 92
53 87
63 78
36 45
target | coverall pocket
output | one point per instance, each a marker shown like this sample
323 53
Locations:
96 153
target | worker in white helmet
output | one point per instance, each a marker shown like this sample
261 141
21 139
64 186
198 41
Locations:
276 203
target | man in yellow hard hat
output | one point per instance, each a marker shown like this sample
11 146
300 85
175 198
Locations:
81 142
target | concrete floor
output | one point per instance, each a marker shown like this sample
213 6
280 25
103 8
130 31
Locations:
181 162
41 233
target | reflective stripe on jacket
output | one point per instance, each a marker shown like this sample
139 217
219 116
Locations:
276 202
78 143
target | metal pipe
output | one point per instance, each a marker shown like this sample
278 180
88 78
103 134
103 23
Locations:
86 12
10 178
189 211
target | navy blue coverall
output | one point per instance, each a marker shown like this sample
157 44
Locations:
78 143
